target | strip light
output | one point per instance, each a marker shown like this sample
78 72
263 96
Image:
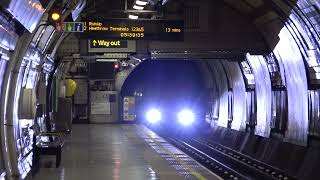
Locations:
141 3
107 60
133 16
137 7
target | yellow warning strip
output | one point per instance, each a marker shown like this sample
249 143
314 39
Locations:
183 164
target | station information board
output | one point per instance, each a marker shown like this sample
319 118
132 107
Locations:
125 29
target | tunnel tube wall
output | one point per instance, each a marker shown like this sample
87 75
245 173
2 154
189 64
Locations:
314 105
20 74
238 92
288 53
280 106
3 63
11 137
263 94
227 94
298 55
213 92
221 82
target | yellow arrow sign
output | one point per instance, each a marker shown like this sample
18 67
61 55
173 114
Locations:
94 42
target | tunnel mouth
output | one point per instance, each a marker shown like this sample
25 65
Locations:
168 86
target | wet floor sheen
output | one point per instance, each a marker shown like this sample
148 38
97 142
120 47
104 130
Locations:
100 152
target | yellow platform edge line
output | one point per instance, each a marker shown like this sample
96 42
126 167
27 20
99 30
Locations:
183 164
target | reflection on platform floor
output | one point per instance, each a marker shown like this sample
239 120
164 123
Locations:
100 152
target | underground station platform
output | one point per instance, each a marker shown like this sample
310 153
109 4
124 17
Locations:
160 89
126 151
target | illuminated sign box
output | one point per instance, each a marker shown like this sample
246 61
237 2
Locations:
123 29
101 43
105 45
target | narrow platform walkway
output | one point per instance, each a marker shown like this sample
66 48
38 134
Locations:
128 152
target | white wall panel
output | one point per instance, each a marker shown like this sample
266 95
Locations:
288 53
263 94
222 83
239 95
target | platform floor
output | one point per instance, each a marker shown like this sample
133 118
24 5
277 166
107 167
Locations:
129 152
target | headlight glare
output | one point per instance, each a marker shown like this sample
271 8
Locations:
186 117
153 116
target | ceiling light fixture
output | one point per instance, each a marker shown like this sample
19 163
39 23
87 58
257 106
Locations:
138 7
141 3
107 60
133 16
55 16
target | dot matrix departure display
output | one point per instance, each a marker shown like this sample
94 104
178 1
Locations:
123 29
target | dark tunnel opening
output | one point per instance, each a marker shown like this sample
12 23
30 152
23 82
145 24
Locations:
167 85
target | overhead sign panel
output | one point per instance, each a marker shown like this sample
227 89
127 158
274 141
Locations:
113 46
123 29
101 43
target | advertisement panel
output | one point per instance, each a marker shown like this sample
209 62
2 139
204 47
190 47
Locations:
129 108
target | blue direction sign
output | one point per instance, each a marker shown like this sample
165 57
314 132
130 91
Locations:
78 26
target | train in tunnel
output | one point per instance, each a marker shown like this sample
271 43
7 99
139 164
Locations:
246 70
169 98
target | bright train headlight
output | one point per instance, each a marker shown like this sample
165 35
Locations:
153 116
186 117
